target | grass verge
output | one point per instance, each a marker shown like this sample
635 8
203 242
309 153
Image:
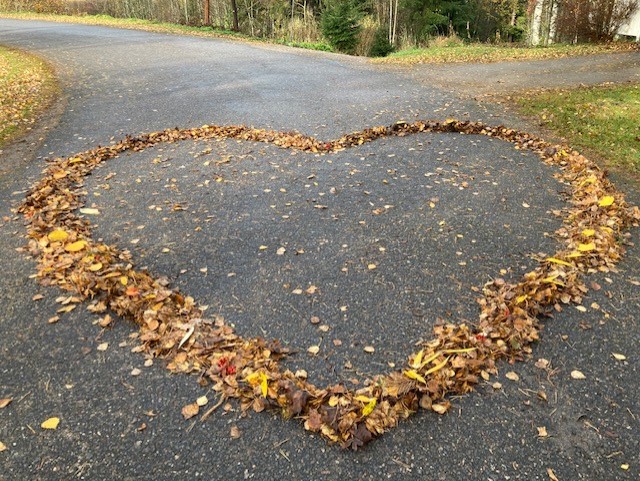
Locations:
27 87
484 53
604 120
158 27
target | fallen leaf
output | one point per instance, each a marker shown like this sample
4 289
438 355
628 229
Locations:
552 475
624 467
606 201
525 205
372 267
281 251
542 363
103 347
235 432
51 423
190 410
66 309
57 235
440 408
89 211
512 376
3 447
369 407
313 350
4 402
135 371
105 321
202 401
577 375
618 357
37 297
586 247
76 246
369 349
315 320
311 290
542 432
412 374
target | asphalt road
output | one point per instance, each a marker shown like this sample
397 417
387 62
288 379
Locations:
429 259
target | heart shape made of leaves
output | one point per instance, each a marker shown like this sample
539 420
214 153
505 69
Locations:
173 327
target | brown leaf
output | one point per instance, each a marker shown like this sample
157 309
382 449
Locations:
190 410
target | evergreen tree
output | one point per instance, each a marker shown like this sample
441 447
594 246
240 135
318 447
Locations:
340 25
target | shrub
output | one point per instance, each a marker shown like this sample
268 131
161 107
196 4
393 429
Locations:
381 46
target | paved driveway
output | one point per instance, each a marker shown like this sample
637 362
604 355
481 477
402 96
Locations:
438 215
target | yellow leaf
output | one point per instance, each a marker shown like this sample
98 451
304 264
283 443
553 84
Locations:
368 409
76 246
259 378
411 374
416 363
588 232
95 267
437 367
362 398
51 423
606 201
264 386
559 261
586 247
253 378
458 351
521 299
57 235
124 280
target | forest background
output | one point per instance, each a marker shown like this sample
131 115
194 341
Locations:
369 27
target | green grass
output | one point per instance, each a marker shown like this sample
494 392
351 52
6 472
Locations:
602 120
158 27
495 53
27 87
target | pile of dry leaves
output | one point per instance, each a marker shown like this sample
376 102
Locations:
172 326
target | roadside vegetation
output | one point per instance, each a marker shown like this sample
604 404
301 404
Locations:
27 87
602 120
420 31
447 50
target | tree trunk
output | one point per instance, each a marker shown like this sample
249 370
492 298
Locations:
207 15
234 9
